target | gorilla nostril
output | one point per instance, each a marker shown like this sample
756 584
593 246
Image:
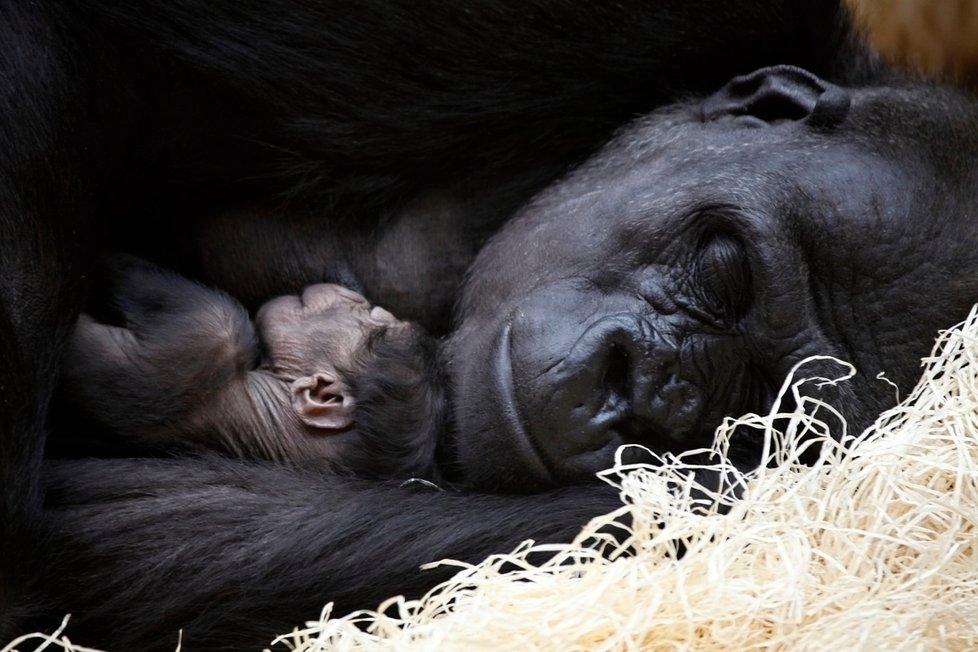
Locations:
616 383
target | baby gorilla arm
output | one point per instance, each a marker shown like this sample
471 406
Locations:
177 350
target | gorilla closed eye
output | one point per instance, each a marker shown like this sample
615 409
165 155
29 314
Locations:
723 276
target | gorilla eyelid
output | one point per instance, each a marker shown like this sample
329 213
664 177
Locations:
722 276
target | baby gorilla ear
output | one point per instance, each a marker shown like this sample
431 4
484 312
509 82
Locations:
323 401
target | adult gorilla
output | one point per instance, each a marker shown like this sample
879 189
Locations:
673 278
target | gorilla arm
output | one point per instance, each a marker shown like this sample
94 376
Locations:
235 552
347 118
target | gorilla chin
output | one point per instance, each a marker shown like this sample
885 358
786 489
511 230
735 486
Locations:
680 275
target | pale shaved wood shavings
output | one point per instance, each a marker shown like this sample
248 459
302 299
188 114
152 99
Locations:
875 546
55 640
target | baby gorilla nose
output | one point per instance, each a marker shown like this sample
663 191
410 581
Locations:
597 386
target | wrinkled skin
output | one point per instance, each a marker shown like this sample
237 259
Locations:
681 274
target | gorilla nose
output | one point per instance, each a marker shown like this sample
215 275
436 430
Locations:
617 383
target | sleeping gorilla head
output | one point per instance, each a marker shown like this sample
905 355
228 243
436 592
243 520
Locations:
678 276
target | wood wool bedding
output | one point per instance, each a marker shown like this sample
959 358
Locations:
875 546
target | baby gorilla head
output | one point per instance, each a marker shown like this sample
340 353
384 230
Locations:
306 341
323 378
331 363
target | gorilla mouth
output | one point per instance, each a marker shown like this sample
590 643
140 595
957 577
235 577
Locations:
504 390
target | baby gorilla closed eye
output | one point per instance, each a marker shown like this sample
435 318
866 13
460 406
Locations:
322 378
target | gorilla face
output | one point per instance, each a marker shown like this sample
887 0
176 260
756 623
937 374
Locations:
678 276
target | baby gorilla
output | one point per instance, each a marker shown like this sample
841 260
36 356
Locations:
321 378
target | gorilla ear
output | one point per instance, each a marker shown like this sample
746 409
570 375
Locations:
322 401
780 93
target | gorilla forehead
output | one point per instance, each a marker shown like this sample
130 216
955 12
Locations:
858 241
900 168
896 182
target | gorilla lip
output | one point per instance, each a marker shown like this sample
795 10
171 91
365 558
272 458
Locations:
503 387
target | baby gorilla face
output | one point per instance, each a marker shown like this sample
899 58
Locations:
324 327
360 387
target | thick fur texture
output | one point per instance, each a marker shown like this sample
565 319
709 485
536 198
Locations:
122 122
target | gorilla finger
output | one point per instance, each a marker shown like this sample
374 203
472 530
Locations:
93 344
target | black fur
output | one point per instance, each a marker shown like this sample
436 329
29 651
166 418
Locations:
178 345
233 552
121 123
401 414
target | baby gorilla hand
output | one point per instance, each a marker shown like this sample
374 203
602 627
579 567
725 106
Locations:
166 346
99 362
